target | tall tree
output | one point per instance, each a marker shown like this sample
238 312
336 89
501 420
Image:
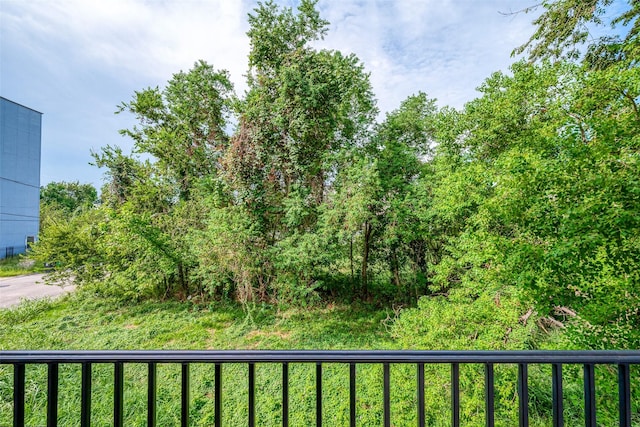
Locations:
183 126
304 106
403 142
68 196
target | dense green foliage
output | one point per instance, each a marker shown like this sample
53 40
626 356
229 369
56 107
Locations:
68 196
528 196
60 201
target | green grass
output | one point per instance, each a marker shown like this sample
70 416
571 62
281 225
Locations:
86 322
18 265
83 321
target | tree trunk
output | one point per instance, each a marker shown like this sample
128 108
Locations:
395 269
351 259
365 258
182 280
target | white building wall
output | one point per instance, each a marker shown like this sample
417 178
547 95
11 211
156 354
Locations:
20 136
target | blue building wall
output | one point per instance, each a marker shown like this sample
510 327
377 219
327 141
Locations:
20 136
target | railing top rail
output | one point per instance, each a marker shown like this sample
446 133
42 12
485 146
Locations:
324 356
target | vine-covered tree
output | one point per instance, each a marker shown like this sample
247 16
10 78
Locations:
303 108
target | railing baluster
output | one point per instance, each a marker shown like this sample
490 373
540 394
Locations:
420 386
386 394
118 394
52 395
352 395
151 394
85 403
318 394
18 394
252 396
184 418
488 393
589 396
455 395
523 395
557 396
285 394
217 416
624 395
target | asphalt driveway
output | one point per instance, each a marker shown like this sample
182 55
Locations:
15 289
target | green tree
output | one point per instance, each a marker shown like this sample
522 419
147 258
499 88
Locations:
564 26
303 108
122 173
62 200
351 215
540 198
183 126
142 242
70 244
403 143
68 196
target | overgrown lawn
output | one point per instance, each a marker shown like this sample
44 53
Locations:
86 322
82 321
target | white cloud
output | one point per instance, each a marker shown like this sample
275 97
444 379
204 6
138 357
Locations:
445 48
75 60
145 38
405 43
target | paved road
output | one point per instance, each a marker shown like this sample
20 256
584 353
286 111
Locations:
14 289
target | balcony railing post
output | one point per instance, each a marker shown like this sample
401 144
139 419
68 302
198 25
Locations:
352 394
18 394
252 395
420 385
557 395
217 416
184 414
523 395
386 393
52 395
488 394
85 403
151 394
318 394
624 395
118 394
285 394
589 395
455 395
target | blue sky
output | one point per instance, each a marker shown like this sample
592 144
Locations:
76 60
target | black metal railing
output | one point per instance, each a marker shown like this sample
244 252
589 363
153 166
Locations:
9 251
622 360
